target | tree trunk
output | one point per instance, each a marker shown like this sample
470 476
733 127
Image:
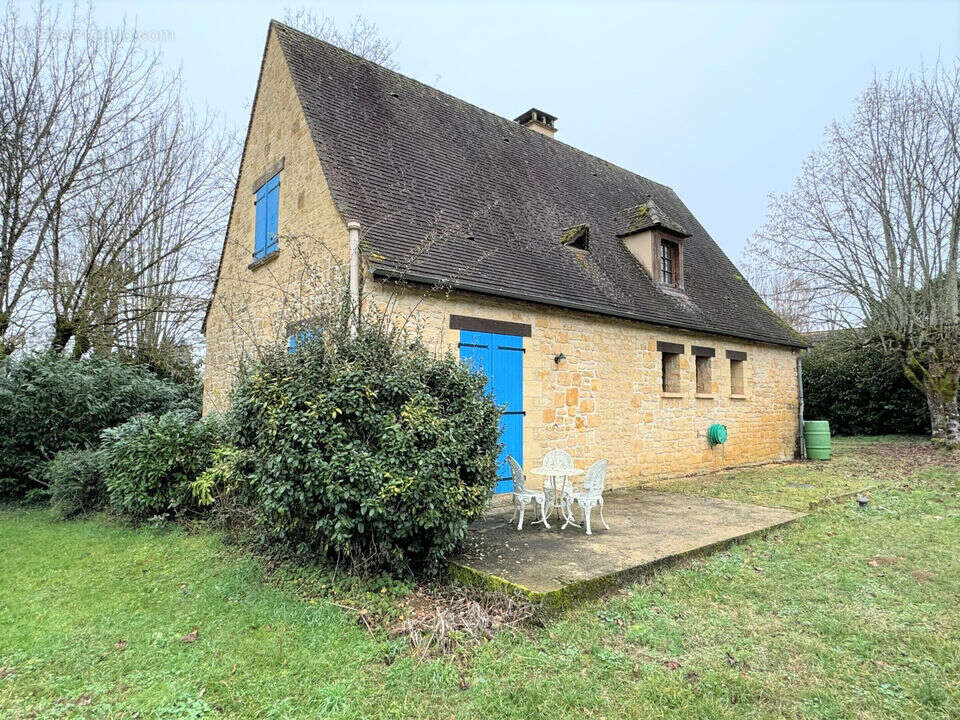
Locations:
6 346
63 330
940 384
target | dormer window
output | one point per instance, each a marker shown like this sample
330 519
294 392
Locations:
669 262
656 240
577 237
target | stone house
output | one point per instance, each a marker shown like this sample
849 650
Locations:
607 319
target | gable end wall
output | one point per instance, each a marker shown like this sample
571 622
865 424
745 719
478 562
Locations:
256 306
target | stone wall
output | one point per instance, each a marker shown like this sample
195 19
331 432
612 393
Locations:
605 399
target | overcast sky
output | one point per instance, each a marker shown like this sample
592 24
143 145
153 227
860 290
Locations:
721 101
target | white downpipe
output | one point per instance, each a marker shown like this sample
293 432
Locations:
353 227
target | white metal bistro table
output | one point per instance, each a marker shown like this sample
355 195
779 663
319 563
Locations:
556 478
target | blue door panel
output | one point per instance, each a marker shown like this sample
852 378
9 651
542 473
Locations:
511 435
500 358
508 374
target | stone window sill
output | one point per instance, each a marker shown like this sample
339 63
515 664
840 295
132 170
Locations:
671 395
734 396
705 396
265 260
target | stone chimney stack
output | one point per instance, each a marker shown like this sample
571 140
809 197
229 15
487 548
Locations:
538 121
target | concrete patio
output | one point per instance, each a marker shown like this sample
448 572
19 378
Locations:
648 530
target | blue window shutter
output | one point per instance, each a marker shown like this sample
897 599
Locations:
300 337
268 209
260 229
273 213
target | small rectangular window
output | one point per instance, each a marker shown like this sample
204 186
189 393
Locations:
736 377
267 215
669 261
302 336
704 375
670 365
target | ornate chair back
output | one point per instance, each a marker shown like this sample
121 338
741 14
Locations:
594 480
558 460
518 478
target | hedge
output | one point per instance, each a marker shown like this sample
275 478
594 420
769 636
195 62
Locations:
370 451
50 403
861 391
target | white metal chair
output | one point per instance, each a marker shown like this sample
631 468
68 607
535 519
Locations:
523 497
591 496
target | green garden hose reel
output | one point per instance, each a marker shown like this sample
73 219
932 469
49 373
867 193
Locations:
717 435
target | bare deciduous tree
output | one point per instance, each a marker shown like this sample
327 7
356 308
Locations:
67 91
112 194
872 228
362 38
787 294
130 264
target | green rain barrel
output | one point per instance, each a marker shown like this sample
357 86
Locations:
817 434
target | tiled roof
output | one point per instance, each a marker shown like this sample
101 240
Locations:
646 216
449 193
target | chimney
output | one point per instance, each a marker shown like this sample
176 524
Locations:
538 121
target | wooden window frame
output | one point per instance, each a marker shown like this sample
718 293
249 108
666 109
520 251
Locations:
676 245
741 364
703 366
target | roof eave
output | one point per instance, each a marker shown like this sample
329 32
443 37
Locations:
657 226
389 273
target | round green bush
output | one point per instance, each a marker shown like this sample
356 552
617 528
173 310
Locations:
149 462
74 482
50 403
367 451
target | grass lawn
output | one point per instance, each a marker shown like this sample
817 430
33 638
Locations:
858 463
846 613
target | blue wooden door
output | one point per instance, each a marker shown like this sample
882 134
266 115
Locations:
500 357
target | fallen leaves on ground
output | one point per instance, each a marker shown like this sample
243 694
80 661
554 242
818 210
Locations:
190 636
6 671
120 645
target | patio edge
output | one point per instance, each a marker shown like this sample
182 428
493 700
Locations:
555 601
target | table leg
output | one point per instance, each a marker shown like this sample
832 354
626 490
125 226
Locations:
568 514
